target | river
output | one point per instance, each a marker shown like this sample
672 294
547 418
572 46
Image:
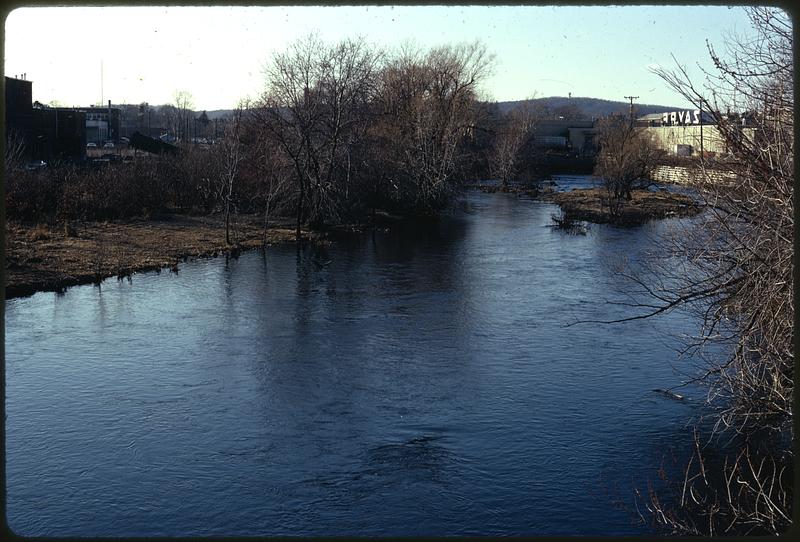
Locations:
415 381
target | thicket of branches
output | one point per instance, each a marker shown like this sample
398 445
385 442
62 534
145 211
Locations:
355 128
513 148
340 131
626 159
737 273
66 191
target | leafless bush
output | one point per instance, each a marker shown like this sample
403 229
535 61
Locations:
568 223
626 159
742 257
736 273
31 196
14 151
748 492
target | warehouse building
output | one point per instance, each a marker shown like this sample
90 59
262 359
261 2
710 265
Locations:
570 135
102 124
686 133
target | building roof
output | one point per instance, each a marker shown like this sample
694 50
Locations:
651 116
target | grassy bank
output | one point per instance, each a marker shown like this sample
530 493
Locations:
42 258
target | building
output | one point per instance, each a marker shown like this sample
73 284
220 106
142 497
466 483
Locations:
575 135
19 99
46 133
685 133
653 119
689 140
583 140
102 124
60 134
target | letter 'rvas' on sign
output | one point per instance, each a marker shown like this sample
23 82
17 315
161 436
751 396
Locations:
681 117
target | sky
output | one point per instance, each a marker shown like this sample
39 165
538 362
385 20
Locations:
147 54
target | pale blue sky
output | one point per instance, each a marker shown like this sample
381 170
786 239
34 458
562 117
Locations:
217 53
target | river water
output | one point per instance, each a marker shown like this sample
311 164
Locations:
417 381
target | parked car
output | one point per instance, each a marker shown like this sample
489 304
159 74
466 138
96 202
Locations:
91 145
108 145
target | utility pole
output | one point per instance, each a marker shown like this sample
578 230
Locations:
701 132
631 98
101 82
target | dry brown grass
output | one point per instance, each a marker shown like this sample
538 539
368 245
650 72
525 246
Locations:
591 204
38 258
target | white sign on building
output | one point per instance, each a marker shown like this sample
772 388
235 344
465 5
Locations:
681 117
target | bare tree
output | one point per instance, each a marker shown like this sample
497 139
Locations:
737 275
627 157
274 173
168 116
231 154
183 105
315 108
509 142
429 103
748 270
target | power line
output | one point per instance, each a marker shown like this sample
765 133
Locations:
631 98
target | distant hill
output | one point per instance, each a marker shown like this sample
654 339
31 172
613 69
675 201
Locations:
218 113
589 107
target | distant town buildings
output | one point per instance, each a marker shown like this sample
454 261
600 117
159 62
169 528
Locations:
62 133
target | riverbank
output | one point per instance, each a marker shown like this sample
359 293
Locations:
41 258
533 191
591 204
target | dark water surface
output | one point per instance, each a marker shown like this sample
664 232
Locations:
414 382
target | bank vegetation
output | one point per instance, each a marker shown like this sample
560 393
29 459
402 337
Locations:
736 274
340 132
344 133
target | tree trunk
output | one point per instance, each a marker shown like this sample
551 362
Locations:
227 223
300 211
266 224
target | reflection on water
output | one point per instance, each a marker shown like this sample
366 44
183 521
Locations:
419 381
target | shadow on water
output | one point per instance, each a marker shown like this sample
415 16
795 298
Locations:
424 460
426 456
